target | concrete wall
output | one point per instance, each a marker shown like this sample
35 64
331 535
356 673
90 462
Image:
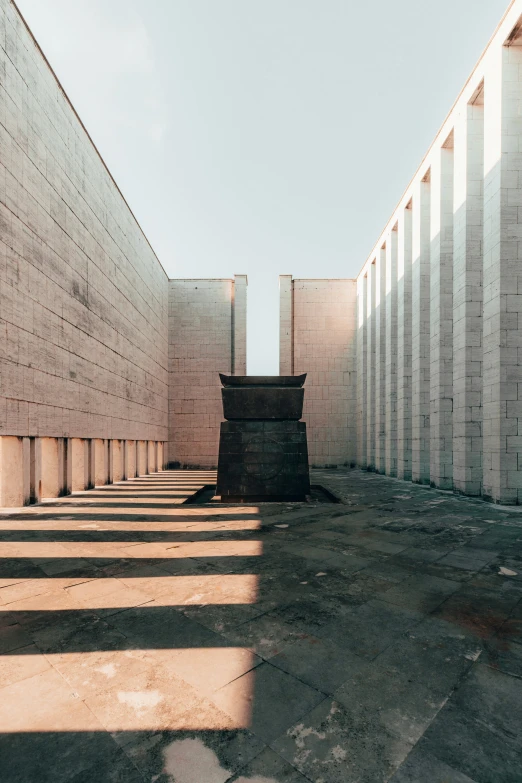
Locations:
317 336
83 298
207 335
451 258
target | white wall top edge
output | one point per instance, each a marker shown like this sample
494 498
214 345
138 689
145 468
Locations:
324 279
202 279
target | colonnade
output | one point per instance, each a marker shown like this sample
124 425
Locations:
439 336
32 469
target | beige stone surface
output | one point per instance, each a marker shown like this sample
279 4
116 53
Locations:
207 335
78 466
83 298
117 455
317 337
11 472
50 468
100 469
130 459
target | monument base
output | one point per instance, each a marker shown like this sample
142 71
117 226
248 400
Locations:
263 461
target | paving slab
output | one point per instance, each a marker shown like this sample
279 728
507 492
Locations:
283 643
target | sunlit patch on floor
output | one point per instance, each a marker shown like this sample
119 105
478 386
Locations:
191 761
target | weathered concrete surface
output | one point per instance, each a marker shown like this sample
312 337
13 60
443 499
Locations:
145 640
207 335
317 336
83 298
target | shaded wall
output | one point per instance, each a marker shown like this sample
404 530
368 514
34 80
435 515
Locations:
317 336
207 335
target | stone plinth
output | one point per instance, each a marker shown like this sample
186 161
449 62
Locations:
263 454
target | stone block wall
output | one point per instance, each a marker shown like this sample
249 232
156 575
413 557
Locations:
452 302
207 335
414 369
317 336
83 298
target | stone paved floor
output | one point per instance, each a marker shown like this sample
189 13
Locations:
144 640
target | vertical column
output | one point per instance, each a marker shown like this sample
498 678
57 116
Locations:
117 463
467 297
49 469
29 469
239 324
286 326
64 450
404 344
130 459
77 467
89 475
390 395
362 297
420 330
99 468
11 472
380 359
142 458
441 318
151 457
370 370
502 277
161 456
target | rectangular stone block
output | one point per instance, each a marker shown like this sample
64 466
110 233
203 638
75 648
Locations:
151 457
117 460
99 462
130 459
78 465
142 458
51 474
11 472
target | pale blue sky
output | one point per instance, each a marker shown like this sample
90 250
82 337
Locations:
263 137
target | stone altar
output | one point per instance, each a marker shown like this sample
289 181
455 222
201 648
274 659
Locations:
263 453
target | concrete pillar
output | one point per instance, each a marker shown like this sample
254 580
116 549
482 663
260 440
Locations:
362 357
130 459
117 460
370 370
89 446
50 467
502 277
441 317
380 359
142 458
161 455
286 325
99 462
151 457
467 296
29 460
390 392
420 329
77 465
239 312
404 344
11 472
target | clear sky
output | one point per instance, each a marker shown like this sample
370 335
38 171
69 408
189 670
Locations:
263 137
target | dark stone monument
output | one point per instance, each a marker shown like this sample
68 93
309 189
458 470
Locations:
263 454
